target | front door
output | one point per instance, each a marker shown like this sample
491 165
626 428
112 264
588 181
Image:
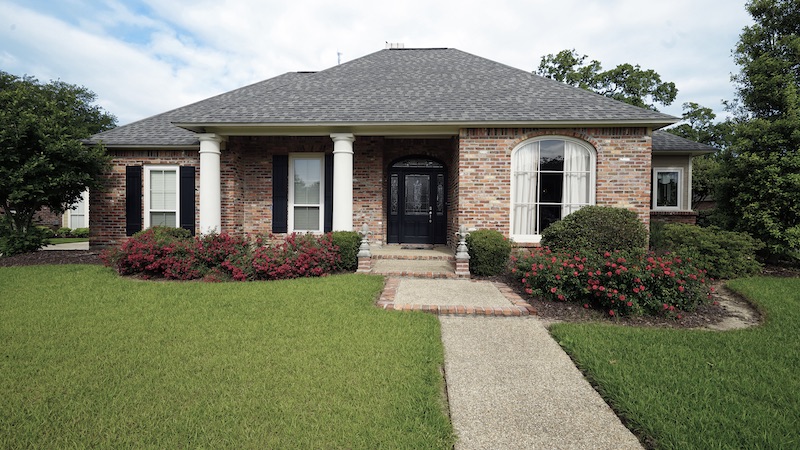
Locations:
417 203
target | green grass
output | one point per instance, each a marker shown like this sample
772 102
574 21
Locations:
88 359
702 389
53 241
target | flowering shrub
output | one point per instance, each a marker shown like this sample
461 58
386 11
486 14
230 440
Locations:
171 254
300 255
619 283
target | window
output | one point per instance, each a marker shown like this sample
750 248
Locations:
306 192
667 187
161 196
550 178
79 217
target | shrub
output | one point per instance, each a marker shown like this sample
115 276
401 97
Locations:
14 242
64 232
620 283
157 252
597 229
347 243
725 254
47 232
300 255
82 232
488 251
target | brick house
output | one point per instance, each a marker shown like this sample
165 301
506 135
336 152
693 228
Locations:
411 142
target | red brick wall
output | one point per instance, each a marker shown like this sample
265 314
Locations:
107 220
478 163
485 171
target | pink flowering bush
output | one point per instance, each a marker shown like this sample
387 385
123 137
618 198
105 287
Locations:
173 254
617 282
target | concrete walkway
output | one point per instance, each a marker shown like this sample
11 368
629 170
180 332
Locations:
509 383
71 246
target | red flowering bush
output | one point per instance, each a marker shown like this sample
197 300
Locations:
620 283
173 254
299 255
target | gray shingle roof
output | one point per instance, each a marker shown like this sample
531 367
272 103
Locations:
666 142
397 86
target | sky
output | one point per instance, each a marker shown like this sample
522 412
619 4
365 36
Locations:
144 57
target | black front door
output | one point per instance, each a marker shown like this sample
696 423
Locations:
417 202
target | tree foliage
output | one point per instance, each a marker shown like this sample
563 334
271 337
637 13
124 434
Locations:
43 163
698 125
760 181
627 83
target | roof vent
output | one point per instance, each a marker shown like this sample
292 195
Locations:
391 45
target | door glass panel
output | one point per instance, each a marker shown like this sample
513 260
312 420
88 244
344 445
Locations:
439 194
417 194
393 193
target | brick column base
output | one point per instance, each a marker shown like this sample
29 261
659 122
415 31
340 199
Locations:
364 264
462 268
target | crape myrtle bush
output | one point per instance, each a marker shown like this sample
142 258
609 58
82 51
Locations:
488 251
725 254
597 229
172 253
620 283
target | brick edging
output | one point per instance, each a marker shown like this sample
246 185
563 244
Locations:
520 307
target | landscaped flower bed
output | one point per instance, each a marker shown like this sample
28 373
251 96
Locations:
616 282
171 253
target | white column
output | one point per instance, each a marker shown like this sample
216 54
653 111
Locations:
343 181
210 192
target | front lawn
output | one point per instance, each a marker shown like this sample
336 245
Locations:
88 359
702 389
54 241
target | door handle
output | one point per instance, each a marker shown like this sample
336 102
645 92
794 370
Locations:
430 214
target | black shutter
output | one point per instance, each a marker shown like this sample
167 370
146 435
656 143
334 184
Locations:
328 221
280 193
133 200
186 200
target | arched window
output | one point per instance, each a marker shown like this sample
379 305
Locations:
550 178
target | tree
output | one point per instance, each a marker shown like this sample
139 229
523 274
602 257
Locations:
627 83
43 163
760 184
698 125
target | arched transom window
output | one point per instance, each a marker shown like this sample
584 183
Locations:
550 178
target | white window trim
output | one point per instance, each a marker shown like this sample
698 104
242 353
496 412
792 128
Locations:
537 238
147 210
656 171
290 222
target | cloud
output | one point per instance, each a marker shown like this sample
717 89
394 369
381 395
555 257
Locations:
147 56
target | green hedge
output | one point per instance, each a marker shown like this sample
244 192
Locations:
489 252
597 229
724 254
348 243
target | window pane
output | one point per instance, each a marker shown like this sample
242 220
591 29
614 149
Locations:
552 155
307 181
306 218
667 189
162 189
547 215
551 186
524 219
162 219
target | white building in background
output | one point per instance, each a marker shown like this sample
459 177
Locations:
78 217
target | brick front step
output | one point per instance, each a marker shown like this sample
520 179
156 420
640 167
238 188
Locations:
415 268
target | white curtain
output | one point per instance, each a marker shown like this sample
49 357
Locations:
526 167
576 178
